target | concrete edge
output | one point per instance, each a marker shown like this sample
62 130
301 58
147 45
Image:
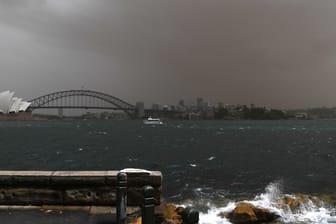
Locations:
92 210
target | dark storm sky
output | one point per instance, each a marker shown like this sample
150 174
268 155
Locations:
278 53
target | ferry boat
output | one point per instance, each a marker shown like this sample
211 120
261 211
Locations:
153 121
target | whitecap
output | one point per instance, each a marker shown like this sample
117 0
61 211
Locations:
211 158
173 166
175 196
132 159
193 165
69 160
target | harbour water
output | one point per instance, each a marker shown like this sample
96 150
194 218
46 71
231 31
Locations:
208 164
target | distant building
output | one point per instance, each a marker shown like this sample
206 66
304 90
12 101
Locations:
220 105
205 106
11 104
105 115
209 115
13 108
181 108
90 115
156 106
199 102
165 107
181 103
140 109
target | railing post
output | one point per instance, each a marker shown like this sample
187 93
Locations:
121 198
148 205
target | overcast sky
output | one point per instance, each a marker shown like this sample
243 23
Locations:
278 53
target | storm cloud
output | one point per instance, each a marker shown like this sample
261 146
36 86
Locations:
268 52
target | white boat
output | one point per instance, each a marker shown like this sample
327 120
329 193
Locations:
153 121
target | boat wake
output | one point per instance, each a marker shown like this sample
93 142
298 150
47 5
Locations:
291 208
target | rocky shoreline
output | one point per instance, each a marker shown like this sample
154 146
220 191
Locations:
250 212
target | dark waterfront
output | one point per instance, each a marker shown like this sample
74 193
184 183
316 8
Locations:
206 161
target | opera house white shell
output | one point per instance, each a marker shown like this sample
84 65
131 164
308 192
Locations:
11 104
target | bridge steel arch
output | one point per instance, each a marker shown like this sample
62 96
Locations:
84 99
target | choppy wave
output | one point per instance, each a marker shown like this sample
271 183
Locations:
309 212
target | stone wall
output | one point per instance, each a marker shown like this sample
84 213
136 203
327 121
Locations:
73 187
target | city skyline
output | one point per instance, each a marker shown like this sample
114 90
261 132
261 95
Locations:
275 53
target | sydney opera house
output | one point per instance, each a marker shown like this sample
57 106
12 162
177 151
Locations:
13 108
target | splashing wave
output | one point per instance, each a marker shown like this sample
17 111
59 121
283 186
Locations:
309 211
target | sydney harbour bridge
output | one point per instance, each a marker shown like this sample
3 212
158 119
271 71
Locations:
88 99
81 99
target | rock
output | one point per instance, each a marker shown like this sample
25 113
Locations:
190 215
295 202
171 214
328 197
248 213
179 210
224 215
135 221
134 217
264 215
243 213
